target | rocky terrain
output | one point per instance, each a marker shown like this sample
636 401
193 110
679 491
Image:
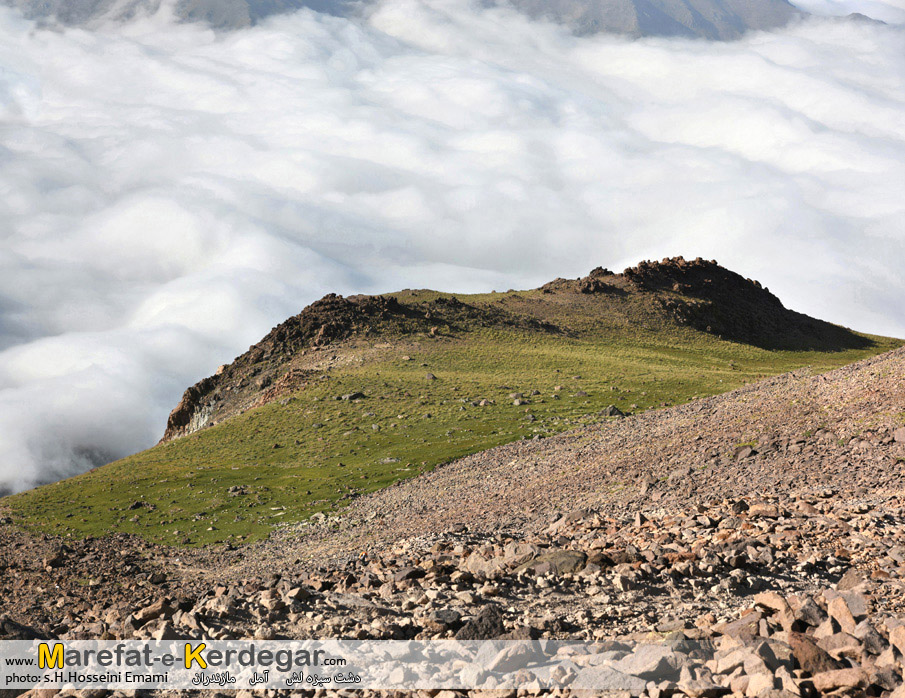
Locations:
749 544
286 358
354 394
695 293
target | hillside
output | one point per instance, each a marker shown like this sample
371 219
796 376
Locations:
657 297
356 393
751 543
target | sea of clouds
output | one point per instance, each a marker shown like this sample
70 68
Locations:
167 194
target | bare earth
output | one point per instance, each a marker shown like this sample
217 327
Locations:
811 434
772 516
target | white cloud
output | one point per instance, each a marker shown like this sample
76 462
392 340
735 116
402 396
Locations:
168 194
891 11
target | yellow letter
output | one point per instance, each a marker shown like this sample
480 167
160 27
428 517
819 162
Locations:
194 655
48 659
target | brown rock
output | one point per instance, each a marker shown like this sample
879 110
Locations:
809 656
839 611
759 683
748 626
897 638
556 562
886 679
842 645
742 657
161 608
773 601
839 678
408 573
850 580
516 554
650 662
887 659
11 630
743 452
782 611
826 629
297 594
701 689
487 625
857 604
769 511
775 654
166 631
871 640
739 683
788 682
806 611
54 560
478 564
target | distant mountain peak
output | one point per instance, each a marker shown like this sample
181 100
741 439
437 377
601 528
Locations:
709 19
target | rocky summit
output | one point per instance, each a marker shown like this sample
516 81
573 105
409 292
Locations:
747 544
698 293
354 394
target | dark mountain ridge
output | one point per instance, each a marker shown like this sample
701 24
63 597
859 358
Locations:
708 19
698 294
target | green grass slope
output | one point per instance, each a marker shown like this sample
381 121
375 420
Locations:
430 396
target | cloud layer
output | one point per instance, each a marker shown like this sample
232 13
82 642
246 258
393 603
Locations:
167 194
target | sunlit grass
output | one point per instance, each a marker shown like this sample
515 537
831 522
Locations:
316 453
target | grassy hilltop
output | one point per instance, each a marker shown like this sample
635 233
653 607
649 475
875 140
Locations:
354 394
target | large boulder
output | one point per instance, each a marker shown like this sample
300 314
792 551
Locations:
556 562
487 625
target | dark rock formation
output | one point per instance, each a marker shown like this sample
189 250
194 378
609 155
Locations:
712 299
699 294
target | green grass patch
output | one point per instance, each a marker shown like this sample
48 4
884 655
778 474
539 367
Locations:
282 463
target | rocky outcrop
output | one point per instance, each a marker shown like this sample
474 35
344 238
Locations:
751 544
710 298
699 294
272 368
746 597
328 320
189 415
